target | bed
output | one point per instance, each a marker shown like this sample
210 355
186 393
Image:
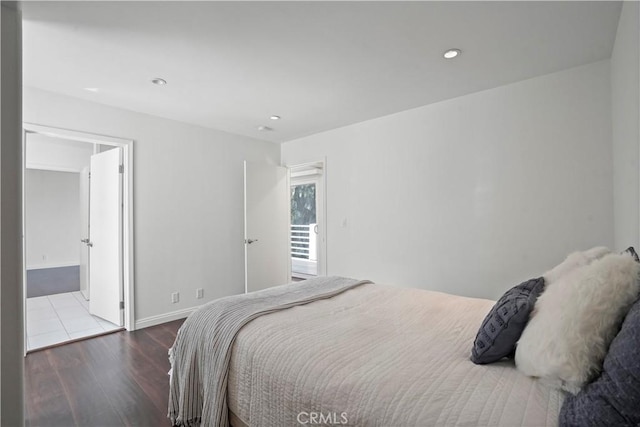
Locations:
366 355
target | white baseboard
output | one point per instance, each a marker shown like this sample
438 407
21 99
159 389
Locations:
56 265
164 318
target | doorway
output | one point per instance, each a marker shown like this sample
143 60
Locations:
60 302
307 219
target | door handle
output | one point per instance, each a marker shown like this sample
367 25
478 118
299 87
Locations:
90 244
84 240
250 241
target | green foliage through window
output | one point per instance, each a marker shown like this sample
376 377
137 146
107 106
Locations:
303 204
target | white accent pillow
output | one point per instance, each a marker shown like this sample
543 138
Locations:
573 261
575 319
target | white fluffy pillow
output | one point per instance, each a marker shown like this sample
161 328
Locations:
575 319
573 261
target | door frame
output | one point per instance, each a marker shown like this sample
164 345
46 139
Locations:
321 196
127 199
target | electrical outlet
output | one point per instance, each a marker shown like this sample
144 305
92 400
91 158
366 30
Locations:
175 297
199 293
44 257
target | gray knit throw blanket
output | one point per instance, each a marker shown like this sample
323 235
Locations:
201 353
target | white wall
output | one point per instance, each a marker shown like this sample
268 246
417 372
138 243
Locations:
45 152
625 112
471 195
11 299
188 190
52 218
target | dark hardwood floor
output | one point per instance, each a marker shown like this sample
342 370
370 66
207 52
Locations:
113 380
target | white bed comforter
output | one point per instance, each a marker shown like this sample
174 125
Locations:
379 356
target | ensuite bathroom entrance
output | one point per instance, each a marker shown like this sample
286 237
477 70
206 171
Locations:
73 236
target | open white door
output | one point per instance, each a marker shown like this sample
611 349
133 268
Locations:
105 219
266 191
84 232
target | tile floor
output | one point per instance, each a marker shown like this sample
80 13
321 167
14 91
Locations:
54 319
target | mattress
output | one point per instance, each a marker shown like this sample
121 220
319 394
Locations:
379 355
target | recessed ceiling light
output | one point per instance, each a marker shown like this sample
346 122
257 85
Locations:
264 128
452 53
91 89
159 81
275 117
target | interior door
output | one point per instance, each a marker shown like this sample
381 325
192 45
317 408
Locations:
105 219
266 226
84 232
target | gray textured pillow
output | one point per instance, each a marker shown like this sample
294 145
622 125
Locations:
504 324
613 399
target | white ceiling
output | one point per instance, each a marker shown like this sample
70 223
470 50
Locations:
319 65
